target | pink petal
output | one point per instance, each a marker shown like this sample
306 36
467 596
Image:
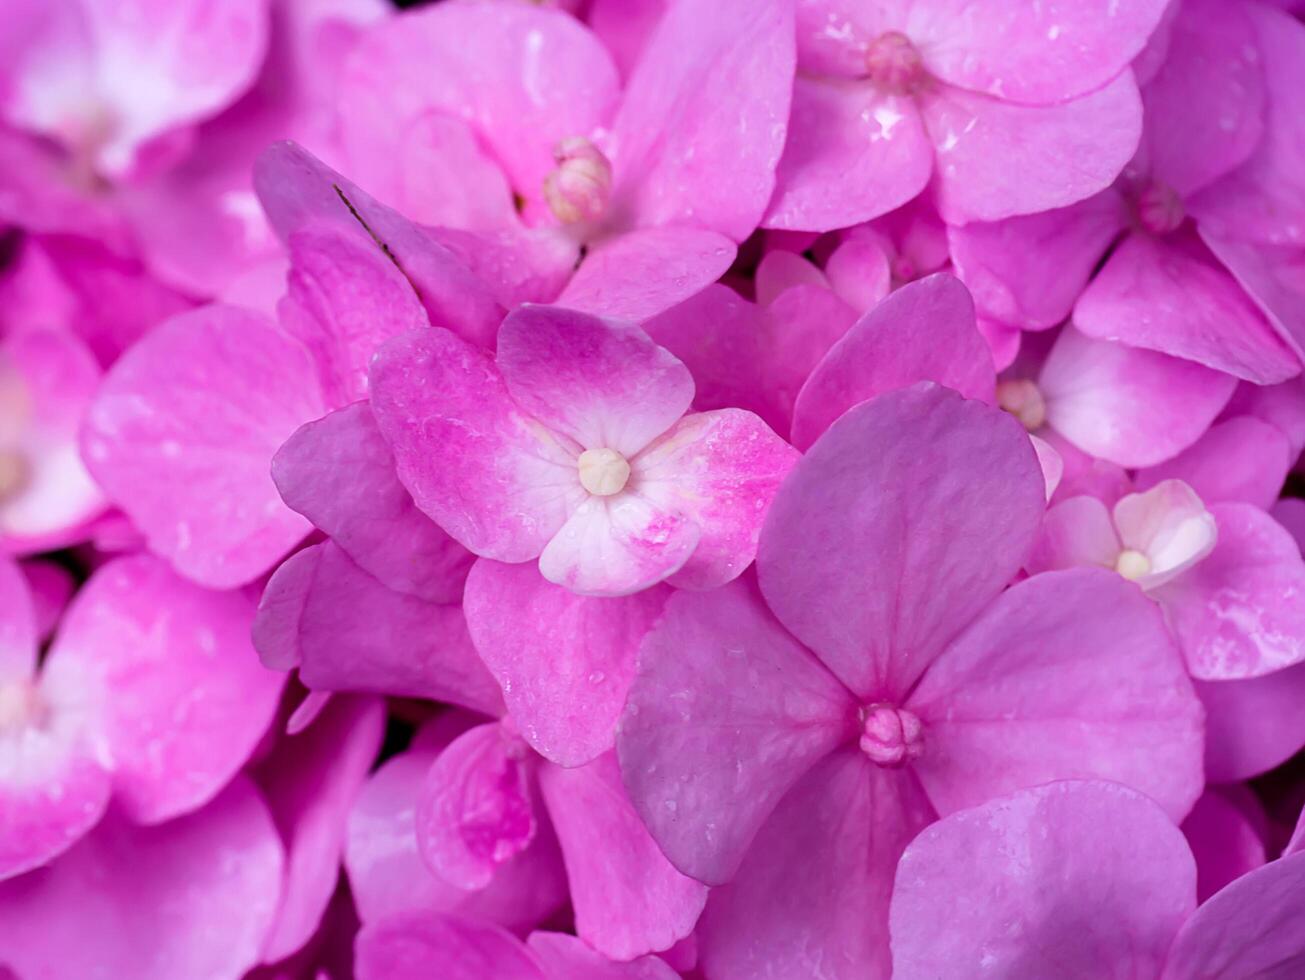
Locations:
1252 725
640 273
997 160
519 265
902 522
722 469
1074 880
339 473
624 26
419 947
1169 525
858 271
388 877
1075 532
1241 612
1241 459
204 401
1037 55
183 698
476 811
1249 929
811 898
151 903
524 79
727 712
18 632
1171 296
924 331
709 98
779 270
1223 839
566 957
1125 405
47 380
1273 276
493 478
853 153
627 897
600 383
275 632
1029 270
1051 462
1121 709
565 662
311 780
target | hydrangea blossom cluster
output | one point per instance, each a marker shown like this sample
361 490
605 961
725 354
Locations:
652 489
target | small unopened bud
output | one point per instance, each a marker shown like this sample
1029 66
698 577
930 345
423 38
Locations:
890 736
894 64
579 189
1159 208
603 472
1022 398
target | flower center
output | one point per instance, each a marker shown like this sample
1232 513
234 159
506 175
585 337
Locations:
580 186
14 472
1022 399
1159 208
894 64
1132 564
890 736
603 472
20 707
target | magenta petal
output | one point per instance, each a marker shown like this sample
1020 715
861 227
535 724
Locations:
339 473
1171 296
151 903
1075 532
902 522
1252 725
701 124
642 272
1273 276
566 957
924 331
600 383
1240 612
628 899
493 478
565 662
853 153
1241 460
310 781
1121 709
423 947
727 712
997 159
1223 838
1073 880
812 894
203 402
1125 405
185 700
275 632
1249 929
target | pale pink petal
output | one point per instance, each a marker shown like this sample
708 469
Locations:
701 123
339 473
811 898
566 957
310 781
924 331
853 153
900 524
628 899
727 712
1273 276
858 271
1169 525
1125 405
1249 929
1252 725
519 265
194 897
1241 612
1073 880
1075 532
1241 459
780 270
1171 296
203 402
1029 270
492 477
602 384
722 469
1052 463
1223 839
624 26
565 662
642 272
618 545
1121 708
183 697
422 947
997 159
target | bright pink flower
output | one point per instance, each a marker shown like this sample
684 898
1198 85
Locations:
793 765
1078 880
573 447
151 694
1010 110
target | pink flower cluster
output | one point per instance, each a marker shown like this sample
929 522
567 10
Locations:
638 489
